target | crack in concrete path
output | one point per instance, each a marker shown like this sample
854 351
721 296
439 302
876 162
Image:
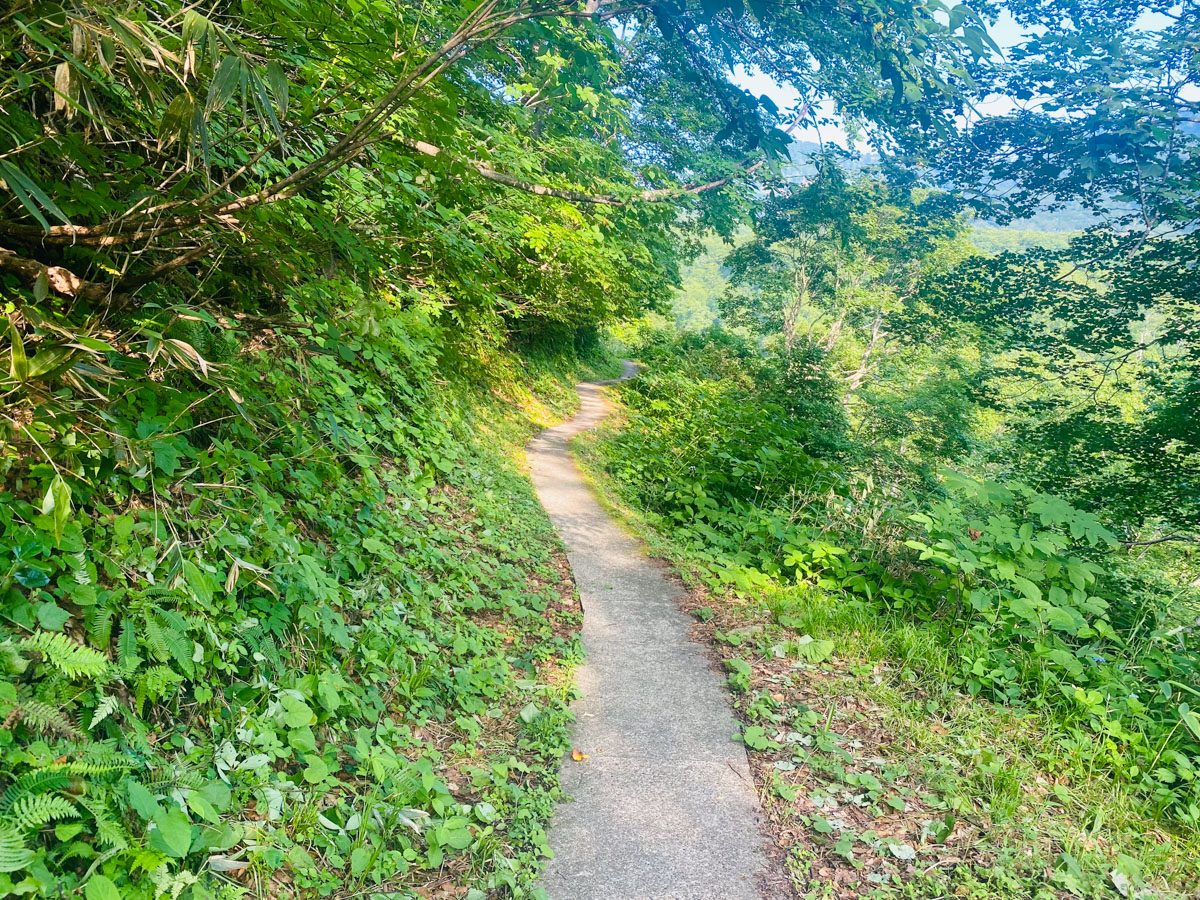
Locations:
664 808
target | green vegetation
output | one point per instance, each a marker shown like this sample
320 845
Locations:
866 619
696 304
991 240
941 504
341 643
286 285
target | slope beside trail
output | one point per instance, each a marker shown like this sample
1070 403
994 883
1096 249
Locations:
664 805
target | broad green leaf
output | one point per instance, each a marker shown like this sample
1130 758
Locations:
296 713
1063 620
100 887
52 617
201 806
218 794
302 739
1027 587
1067 661
142 801
172 833
360 858
316 771
176 122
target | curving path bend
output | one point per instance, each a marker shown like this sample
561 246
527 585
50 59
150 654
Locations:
664 807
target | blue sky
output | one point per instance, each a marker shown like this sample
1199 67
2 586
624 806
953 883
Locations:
1005 32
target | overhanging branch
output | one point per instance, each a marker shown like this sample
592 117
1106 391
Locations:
483 24
65 283
60 281
1165 539
657 195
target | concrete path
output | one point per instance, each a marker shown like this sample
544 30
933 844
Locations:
664 807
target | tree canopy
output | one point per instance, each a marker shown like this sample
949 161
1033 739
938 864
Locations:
144 139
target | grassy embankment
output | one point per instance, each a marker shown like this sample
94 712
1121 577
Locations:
304 632
881 774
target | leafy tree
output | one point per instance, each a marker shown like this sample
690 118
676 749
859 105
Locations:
141 140
831 258
1103 113
1103 116
1107 354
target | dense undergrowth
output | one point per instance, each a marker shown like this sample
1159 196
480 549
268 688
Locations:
302 634
838 575
282 283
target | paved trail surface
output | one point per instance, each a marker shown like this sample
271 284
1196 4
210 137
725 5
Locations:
664 807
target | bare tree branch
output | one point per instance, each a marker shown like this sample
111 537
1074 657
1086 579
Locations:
59 281
1169 538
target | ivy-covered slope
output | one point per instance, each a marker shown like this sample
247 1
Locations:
307 631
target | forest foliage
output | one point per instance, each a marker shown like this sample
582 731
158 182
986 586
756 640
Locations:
285 284
1035 595
994 445
920 578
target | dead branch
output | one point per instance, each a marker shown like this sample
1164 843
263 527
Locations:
59 280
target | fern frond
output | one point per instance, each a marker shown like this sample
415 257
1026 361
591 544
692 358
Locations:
44 717
79 568
14 855
98 764
158 590
108 828
32 812
145 860
99 621
127 647
72 659
155 640
262 644
181 650
32 784
173 619
105 708
54 688
181 779
156 681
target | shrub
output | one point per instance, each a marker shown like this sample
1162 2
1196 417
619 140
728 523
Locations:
1035 600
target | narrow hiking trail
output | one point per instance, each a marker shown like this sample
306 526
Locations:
664 806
